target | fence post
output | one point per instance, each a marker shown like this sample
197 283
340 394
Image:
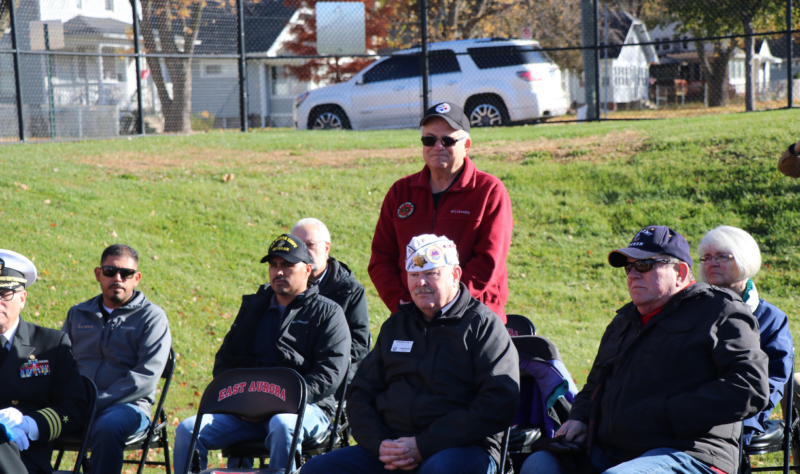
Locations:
789 78
423 26
242 68
140 129
597 58
17 82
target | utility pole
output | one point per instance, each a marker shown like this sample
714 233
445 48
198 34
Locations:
423 26
590 57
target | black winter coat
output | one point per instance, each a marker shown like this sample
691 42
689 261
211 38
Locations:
314 341
341 287
457 386
684 381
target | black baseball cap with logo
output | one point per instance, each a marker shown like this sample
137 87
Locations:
651 241
289 248
452 114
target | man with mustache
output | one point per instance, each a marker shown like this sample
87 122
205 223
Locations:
441 384
677 370
121 341
451 197
285 324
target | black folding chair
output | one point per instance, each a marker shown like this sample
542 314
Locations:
521 438
251 393
519 325
336 436
154 437
780 435
91 392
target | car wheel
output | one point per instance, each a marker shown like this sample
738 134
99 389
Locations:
328 117
487 112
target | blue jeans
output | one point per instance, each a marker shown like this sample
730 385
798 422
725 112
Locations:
221 431
356 460
661 460
111 428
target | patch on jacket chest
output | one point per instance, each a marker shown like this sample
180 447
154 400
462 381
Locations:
405 210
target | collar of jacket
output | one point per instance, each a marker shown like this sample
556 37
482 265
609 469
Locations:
455 313
691 291
93 305
265 293
466 182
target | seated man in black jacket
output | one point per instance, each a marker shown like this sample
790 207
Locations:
441 384
337 283
285 324
677 371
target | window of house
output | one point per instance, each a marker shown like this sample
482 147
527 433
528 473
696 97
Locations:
685 42
109 5
219 69
284 83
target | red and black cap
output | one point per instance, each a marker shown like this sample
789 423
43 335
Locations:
651 241
289 248
451 113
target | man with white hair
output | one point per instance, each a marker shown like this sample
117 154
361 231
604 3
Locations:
449 197
42 395
336 282
441 384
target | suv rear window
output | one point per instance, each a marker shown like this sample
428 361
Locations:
442 62
502 56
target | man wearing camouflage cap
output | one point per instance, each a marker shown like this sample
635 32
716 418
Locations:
41 392
285 324
441 384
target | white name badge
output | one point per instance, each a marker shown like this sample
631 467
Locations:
402 346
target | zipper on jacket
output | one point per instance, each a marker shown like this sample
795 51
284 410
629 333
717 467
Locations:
416 395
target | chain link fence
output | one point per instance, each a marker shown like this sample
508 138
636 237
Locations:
73 69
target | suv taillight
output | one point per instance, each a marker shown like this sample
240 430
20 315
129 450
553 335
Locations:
529 76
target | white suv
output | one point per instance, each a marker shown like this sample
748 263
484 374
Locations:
496 81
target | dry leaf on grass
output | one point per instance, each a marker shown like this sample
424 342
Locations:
228 177
113 233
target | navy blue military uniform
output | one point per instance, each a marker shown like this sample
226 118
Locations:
40 378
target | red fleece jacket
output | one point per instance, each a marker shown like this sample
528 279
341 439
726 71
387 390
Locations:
475 213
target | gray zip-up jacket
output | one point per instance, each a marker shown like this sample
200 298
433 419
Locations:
124 357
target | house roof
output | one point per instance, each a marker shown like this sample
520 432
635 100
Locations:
263 22
86 26
622 26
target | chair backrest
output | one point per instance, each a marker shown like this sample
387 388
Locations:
166 374
91 393
337 417
519 325
547 390
253 393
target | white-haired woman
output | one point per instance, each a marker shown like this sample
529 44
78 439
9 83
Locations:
729 258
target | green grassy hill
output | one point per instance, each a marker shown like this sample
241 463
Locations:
578 191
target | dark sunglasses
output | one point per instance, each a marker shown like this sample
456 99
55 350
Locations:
447 142
111 272
643 266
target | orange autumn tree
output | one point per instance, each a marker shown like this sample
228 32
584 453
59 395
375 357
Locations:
378 18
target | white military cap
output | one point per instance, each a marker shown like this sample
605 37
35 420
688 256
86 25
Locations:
429 251
17 270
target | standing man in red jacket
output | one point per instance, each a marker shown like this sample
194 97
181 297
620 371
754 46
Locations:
452 198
